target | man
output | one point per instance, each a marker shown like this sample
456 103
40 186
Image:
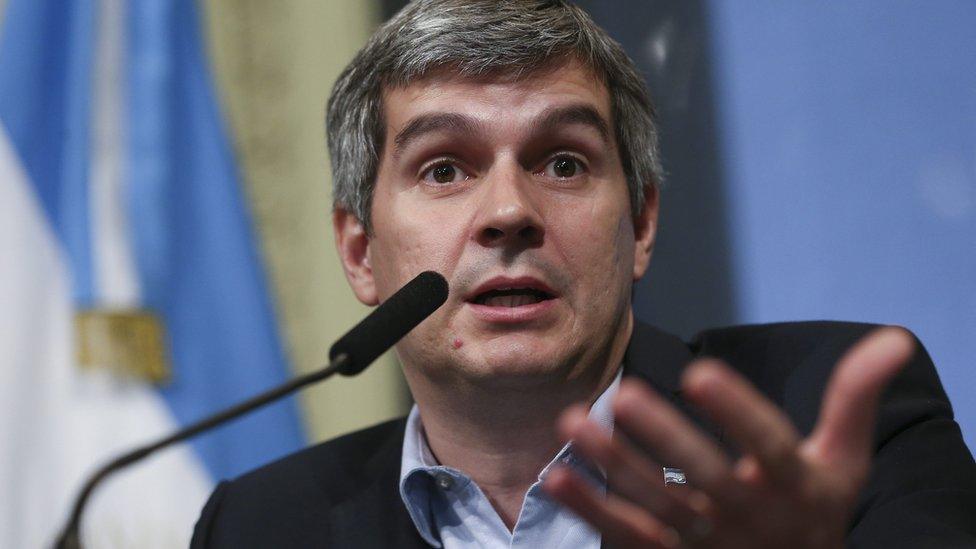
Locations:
510 146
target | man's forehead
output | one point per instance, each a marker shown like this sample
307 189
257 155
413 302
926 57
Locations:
501 92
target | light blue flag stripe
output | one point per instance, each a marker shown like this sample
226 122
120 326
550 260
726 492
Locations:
195 253
46 50
194 250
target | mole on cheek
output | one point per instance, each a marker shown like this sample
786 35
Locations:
457 343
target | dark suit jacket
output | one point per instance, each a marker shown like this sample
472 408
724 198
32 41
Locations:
922 492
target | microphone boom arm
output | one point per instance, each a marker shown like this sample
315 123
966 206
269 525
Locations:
353 352
70 536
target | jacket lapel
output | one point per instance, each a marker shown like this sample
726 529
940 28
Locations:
375 516
659 359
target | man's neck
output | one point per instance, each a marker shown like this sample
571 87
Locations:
503 442
501 431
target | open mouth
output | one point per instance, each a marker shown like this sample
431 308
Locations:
511 297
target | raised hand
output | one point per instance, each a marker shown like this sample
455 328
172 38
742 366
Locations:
784 491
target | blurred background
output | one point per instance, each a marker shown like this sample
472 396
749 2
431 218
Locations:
166 245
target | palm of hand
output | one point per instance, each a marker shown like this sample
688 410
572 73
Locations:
783 492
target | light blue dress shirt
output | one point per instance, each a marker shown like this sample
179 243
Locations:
450 510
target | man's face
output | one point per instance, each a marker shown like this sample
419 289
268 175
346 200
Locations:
514 191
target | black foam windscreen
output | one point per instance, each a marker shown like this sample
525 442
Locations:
386 325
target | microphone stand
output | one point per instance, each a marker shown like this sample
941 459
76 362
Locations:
353 352
70 537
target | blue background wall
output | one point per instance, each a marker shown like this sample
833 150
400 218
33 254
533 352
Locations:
822 161
848 142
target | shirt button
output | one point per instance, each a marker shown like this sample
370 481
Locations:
444 481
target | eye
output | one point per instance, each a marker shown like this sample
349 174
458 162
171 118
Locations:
564 166
443 173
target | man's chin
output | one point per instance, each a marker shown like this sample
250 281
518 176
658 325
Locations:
515 358
469 354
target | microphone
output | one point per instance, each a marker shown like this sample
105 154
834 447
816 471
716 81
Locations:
389 322
350 355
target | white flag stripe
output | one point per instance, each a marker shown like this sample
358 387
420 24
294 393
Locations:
59 423
116 284
152 504
35 313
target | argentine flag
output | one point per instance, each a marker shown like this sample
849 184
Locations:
132 298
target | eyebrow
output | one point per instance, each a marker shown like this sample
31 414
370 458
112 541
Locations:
547 122
582 114
431 123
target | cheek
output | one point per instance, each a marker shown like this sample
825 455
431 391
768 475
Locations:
411 241
393 260
598 242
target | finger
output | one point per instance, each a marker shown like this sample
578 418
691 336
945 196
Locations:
758 427
621 523
629 473
662 430
844 433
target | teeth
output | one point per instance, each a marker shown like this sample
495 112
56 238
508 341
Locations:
512 300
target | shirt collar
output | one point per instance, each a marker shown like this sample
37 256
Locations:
418 458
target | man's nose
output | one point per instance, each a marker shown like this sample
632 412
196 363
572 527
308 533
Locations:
507 215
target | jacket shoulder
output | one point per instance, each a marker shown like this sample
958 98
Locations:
789 361
326 471
782 338
922 487
287 498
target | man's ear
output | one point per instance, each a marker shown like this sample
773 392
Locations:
352 242
645 231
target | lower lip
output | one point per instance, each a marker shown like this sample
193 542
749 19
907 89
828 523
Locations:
512 315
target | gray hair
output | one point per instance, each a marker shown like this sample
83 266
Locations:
475 38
